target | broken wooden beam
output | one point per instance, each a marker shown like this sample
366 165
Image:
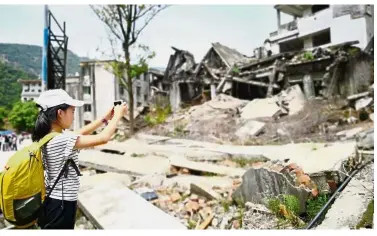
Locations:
256 83
357 96
221 85
210 72
255 72
271 79
206 222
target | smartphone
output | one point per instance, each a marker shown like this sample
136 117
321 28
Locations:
118 102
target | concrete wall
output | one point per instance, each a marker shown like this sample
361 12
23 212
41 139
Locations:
370 23
358 76
346 23
317 22
143 82
104 90
72 88
344 29
175 96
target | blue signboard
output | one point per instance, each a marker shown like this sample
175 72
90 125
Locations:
45 47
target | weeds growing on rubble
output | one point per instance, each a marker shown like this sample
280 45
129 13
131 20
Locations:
367 219
226 205
313 206
159 116
286 208
242 162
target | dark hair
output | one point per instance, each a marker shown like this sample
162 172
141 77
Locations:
44 121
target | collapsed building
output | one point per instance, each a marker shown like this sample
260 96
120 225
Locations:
339 70
334 67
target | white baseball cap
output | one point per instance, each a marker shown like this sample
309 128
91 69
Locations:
56 97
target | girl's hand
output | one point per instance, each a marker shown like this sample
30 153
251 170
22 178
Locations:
110 114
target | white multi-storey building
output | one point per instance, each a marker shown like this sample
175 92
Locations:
99 88
31 89
321 25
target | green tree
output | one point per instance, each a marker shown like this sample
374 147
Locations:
3 115
125 23
23 116
10 88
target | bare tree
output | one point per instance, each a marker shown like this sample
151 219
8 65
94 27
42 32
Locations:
125 23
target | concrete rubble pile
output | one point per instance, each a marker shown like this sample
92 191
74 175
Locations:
206 185
252 95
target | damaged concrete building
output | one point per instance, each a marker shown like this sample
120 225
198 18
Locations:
192 82
313 51
321 25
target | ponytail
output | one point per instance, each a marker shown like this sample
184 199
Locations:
42 126
44 121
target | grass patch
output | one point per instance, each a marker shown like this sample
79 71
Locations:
226 205
286 208
313 206
242 162
208 174
158 116
367 218
308 56
241 211
191 224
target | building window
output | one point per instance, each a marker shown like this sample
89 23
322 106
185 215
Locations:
145 76
318 8
87 108
138 104
39 90
121 90
86 90
138 91
27 88
32 90
31 99
138 77
25 99
322 38
145 98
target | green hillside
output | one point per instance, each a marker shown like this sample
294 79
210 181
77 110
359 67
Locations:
29 58
10 89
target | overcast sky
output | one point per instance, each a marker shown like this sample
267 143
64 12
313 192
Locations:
187 27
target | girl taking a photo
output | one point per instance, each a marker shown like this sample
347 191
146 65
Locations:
56 115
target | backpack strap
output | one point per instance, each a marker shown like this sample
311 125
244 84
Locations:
47 138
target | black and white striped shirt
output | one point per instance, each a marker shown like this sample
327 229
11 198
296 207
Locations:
55 153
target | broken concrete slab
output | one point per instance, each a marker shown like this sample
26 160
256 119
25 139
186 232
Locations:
259 108
258 185
133 165
311 157
250 129
294 97
206 167
362 103
350 133
111 205
365 140
88 181
349 206
202 189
